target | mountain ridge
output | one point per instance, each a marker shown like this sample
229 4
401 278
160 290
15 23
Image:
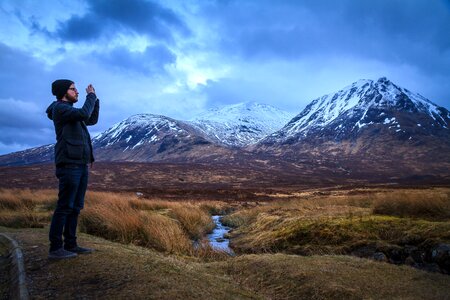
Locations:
370 126
356 106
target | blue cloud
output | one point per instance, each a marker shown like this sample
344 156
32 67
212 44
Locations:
391 31
150 62
108 17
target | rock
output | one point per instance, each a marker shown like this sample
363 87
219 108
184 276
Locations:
396 255
414 253
410 249
366 251
379 256
410 261
411 239
441 255
441 251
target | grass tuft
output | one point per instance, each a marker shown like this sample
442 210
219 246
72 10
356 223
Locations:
420 204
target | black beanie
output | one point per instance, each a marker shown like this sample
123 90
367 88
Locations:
60 87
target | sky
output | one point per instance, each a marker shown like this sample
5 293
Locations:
179 58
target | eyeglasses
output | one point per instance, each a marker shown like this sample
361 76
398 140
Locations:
73 89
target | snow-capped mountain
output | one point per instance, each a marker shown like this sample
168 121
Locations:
139 130
240 124
147 137
29 156
365 104
369 125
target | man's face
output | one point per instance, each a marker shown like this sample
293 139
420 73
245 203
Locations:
72 94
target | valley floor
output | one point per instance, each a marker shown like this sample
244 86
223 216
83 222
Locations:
121 271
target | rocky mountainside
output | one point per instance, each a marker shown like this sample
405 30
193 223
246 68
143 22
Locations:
365 103
147 137
240 124
35 155
369 123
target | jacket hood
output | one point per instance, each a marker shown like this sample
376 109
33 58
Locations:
49 110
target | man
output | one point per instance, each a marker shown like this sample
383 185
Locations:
73 153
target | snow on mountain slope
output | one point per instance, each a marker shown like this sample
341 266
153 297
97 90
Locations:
240 124
138 130
361 104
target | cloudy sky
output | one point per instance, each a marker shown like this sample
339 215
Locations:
179 58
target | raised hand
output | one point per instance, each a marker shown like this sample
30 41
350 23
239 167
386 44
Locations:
90 89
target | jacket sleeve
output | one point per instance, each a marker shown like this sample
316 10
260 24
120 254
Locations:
94 116
69 113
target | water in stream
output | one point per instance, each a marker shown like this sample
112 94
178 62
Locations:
217 239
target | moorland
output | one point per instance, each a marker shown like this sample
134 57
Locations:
291 241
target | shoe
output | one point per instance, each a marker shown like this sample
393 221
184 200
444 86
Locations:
61 254
80 250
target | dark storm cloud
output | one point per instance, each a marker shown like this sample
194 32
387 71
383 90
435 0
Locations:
21 74
24 96
387 30
150 62
112 16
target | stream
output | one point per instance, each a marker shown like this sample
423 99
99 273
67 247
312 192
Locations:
217 239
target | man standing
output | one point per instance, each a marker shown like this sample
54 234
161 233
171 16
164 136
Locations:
73 153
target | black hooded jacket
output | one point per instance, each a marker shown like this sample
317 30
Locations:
73 142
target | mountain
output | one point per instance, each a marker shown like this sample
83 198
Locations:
147 137
29 156
242 124
376 122
370 129
343 114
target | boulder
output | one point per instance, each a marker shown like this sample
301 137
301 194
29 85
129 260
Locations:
379 256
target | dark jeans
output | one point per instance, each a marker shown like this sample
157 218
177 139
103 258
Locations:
73 181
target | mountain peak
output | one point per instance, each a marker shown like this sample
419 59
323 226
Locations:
240 124
383 80
363 104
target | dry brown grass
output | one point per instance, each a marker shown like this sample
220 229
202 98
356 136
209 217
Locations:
163 225
11 199
194 217
118 221
194 220
419 203
342 220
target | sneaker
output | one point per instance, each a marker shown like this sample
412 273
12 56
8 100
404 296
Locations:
80 250
61 254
